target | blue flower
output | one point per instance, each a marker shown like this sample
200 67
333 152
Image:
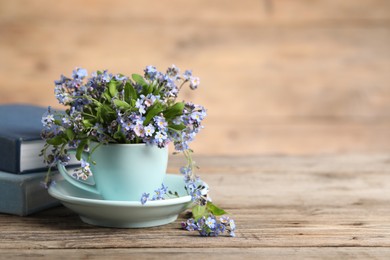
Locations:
127 125
160 137
85 168
144 198
171 88
164 188
47 119
47 184
192 188
66 122
64 159
201 222
203 232
62 91
224 219
209 226
197 116
160 193
140 105
177 120
150 99
79 73
139 130
160 122
196 195
106 77
191 225
210 222
120 77
232 225
221 228
150 72
98 131
139 102
149 130
194 82
173 71
185 170
136 118
83 172
187 75
183 225
62 81
182 146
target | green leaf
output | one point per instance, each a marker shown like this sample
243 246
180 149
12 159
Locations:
154 110
198 212
130 93
106 95
177 127
156 90
57 122
57 140
121 104
80 148
118 135
149 89
107 114
97 103
174 111
139 80
87 123
99 114
70 134
215 210
112 88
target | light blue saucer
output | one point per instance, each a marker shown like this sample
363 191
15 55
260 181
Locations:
94 210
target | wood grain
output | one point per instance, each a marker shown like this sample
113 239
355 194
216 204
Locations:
303 207
194 253
323 64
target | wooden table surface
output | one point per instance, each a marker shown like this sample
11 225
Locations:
327 207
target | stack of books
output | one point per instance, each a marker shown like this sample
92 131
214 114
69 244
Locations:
22 170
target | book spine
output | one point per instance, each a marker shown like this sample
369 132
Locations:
10 155
37 198
22 195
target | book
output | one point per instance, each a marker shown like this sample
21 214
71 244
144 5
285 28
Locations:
20 138
23 194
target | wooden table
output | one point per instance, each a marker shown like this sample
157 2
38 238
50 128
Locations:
329 207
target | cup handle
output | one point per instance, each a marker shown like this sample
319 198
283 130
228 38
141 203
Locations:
86 187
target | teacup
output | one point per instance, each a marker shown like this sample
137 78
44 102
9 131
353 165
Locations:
123 171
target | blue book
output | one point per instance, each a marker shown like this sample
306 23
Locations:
23 194
20 140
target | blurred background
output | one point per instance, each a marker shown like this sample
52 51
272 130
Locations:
277 76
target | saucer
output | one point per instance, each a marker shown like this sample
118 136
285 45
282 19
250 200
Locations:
94 210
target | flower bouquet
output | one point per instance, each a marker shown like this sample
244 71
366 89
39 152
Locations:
108 109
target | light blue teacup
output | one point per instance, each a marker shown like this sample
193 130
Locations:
123 171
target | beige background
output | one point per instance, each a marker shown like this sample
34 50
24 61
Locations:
282 76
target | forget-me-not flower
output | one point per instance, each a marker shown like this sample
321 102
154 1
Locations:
149 130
